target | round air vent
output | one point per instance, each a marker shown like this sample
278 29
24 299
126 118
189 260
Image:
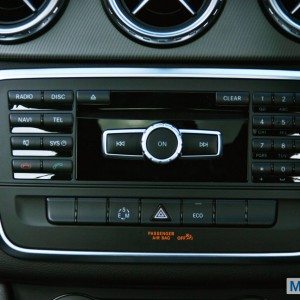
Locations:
286 13
20 19
163 22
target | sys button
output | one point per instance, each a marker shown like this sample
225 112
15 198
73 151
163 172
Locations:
123 143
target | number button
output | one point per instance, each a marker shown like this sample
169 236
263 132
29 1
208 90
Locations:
264 122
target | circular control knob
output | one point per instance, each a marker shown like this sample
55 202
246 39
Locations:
162 143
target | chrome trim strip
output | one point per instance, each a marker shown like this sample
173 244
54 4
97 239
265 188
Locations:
145 73
46 153
206 132
33 176
117 131
139 255
216 73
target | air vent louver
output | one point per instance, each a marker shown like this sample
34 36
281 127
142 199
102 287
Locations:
163 21
286 14
22 18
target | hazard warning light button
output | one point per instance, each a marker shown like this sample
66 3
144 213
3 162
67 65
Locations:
160 212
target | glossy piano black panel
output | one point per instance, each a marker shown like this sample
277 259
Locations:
231 166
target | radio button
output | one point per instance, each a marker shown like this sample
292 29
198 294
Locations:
228 98
61 122
123 143
197 212
200 144
57 166
124 211
262 99
283 169
25 97
261 212
58 97
61 144
26 166
283 99
162 143
25 143
230 212
283 122
262 168
161 212
262 122
25 120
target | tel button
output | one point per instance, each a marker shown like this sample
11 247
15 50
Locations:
60 121
197 212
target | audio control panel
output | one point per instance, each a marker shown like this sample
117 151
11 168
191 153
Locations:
151 168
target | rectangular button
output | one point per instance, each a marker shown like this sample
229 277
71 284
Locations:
230 212
297 169
261 212
286 122
197 212
262 145
262 168
61 122
262 122
284 99
59 144
297 122
25 97
232 98
283 146
91 210
199 144
161 212
297 145
298 99
58 97
57 166
124 211
25 120
26 143
283 169
120 143
93 97
61 210
262 99
26 166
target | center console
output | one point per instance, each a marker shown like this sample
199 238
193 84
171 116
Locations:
150 165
